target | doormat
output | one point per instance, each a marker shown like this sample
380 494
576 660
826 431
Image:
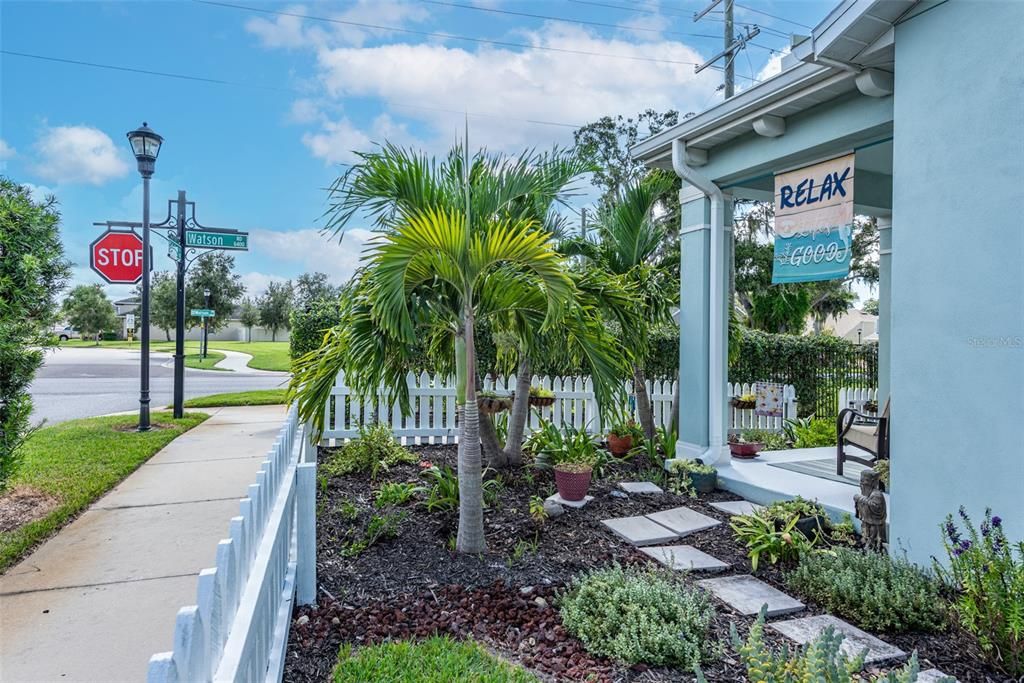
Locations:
825 469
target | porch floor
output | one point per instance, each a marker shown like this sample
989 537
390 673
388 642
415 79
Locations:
757 481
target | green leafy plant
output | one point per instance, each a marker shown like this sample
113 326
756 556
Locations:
763 538
570 447
624 425
874 591
635 616
810 432
443 491
348 511
667 438
379 527
394 493
523 548
541 392
783 510
544 438
374 451
537 511
773 441
679 471
989 582
882 467
436 659
820 660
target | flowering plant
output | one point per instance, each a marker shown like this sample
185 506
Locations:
990 585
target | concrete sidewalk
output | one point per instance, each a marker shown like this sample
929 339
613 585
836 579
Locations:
98 599
236 361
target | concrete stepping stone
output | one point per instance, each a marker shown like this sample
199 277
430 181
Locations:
640 487
639 530
685 558
806 629
738 507
683 520
932 676
556 498
746 595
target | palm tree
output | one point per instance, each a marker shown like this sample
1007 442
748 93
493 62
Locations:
629 243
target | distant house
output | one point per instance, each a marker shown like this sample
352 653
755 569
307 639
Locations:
854 325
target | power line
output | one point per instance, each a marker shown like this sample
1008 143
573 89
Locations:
221 81
447 36
565 20
773 16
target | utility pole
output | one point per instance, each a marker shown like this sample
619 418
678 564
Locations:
731 45
179 318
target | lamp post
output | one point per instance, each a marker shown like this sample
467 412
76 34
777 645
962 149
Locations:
146 147
206 321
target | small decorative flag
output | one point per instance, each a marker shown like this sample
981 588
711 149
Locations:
769 399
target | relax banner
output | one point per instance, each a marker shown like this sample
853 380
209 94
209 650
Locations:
814 222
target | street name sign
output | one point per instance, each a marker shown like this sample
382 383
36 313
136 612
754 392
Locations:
116 256
202 312
211 239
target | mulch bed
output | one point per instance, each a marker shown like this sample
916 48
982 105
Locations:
22 505
414 586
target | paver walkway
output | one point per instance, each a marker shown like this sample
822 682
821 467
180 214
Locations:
98 599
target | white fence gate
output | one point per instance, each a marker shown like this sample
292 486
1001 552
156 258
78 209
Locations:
433 419
747 419
238 629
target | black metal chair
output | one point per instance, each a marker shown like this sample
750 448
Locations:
867 432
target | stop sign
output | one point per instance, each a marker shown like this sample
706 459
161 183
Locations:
117 257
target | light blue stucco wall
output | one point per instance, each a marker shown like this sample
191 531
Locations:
695 250
958 270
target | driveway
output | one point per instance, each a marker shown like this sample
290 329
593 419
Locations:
83 382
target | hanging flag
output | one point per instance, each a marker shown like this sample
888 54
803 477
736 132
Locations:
814 222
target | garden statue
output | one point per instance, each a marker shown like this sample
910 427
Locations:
871 511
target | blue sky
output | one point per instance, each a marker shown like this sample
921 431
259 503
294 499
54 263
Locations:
297 95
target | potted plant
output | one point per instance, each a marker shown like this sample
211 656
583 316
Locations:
622 435
490 403
809 514
744 402
871 406
572 457
541 397
693 476
743 449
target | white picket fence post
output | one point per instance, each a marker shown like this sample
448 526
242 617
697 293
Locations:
740 419
238 628
856 397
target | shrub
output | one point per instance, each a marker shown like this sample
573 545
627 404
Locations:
819 661
443 492
764 538
679 471
394 493
813 432
437 660
635 616
990 586
376 449
773 441
874 591
308 326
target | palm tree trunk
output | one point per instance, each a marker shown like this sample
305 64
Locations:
520 411
494 455
643 402
470 538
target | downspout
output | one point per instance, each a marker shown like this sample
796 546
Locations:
716 350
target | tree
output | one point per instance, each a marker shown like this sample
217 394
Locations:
33 270
214 271
275 307
89 310
311 288
248 315
870 306
454 249
163 301
629 241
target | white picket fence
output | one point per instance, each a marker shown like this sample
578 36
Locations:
856 397
238 629
433 419
748 419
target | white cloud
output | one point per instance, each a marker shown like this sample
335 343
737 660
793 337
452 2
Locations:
6 151
307 250
256 283
39 192
290 31
337 140
78 154
773 67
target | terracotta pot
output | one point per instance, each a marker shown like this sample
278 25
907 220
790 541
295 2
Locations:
704 483
745 451
542 401
619 445
572 481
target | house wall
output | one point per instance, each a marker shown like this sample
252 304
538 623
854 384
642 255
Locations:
957 271
233 331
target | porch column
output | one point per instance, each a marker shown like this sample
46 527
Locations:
884 306
702 342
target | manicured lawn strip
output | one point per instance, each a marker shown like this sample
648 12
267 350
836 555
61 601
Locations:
260 397
265 355
77 462
437 660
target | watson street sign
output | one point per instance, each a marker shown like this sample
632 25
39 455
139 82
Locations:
202 312
814 222
117 257
215 239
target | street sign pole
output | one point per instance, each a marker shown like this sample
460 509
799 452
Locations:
179 320
144 337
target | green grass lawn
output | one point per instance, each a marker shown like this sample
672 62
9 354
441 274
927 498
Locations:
78 461
260 397
265 355
437 660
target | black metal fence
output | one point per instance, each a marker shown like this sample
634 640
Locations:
818 367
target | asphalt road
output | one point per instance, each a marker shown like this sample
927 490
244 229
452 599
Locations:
84 382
